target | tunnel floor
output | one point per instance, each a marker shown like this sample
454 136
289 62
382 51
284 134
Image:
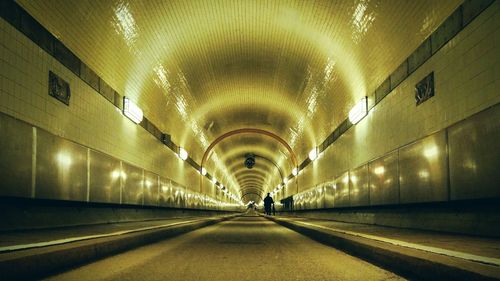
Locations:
244 248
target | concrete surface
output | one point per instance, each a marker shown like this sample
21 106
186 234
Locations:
244 248
475 245
25 238
35 263
436 256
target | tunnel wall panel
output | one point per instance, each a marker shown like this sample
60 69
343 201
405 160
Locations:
61 168
69 171
166 195
342 190
151 188
329 194
384 180
15 161
423 175
105 174
132 184
440 167
475 156
359 194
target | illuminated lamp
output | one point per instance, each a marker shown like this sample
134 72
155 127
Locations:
203 171
359 111
183 153
295 171
313 154
132 111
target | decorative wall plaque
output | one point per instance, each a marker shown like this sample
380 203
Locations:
58 88
424 89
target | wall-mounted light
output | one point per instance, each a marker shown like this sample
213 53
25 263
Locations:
313 154
359 111
132 111
295 171
183 153
203 171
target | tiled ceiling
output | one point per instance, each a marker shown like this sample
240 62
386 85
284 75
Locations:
203 68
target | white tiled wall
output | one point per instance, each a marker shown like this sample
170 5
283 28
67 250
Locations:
467 80
89 120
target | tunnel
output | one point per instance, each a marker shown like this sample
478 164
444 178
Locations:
249 140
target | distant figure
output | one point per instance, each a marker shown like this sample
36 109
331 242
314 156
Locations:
268 201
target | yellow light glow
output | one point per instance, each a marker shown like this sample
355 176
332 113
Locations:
294 172
183 153
346 179
203 171
125 23
424 174
132 111
431 152
313 154
380 170
359 111
354 179
64 159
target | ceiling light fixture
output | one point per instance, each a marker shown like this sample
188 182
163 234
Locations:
313 154
295 171
132 111
359 111
183 153
203 171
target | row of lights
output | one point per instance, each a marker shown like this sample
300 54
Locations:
356 114
134 113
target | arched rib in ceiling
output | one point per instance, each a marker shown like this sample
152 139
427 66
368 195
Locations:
251 175
251 181
250 193
264 154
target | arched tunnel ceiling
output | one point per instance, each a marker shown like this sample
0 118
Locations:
199 69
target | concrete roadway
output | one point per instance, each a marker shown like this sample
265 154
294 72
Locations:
245 248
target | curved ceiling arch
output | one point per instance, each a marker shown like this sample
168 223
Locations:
237 166
248 193
247 182
296 72
249 131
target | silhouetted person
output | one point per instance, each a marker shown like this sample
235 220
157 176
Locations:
268 201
